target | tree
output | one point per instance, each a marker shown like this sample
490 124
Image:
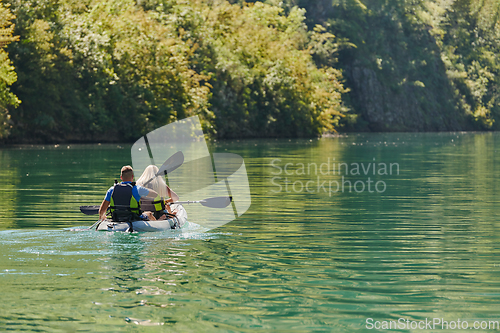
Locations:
7 74
265 82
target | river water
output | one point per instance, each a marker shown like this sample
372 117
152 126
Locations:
343 234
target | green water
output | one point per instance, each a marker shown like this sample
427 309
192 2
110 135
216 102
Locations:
301 259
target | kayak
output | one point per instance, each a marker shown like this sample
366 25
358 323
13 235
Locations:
176 222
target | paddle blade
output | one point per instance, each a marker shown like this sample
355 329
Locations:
89 210
172 163
216 202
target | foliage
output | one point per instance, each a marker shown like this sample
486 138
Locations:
113 70
264 80
7 74
471 43
101 70
447 47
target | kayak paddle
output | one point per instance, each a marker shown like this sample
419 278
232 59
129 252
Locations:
97 222
172 163
215 202
89 210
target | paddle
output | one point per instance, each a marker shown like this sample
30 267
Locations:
215 202
172 163
89 210
93 225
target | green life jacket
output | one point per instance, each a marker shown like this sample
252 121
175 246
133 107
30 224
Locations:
159 203
123 206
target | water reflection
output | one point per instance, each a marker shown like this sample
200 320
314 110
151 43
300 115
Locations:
427 247
49 183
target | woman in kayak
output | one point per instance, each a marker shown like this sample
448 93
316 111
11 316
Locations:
153 208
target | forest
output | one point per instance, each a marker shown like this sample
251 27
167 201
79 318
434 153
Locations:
113 70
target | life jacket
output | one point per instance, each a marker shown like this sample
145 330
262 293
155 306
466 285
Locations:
123 206
156 205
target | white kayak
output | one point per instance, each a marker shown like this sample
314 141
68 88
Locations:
176 222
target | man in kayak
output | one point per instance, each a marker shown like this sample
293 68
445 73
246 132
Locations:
124 198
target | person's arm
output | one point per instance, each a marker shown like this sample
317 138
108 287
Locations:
102 209
152 194
172 194
144 192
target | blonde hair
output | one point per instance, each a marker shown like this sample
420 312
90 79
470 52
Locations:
127 172
157 184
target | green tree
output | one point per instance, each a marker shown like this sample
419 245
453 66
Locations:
100 70
141 61
264 80
470 47
7 72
